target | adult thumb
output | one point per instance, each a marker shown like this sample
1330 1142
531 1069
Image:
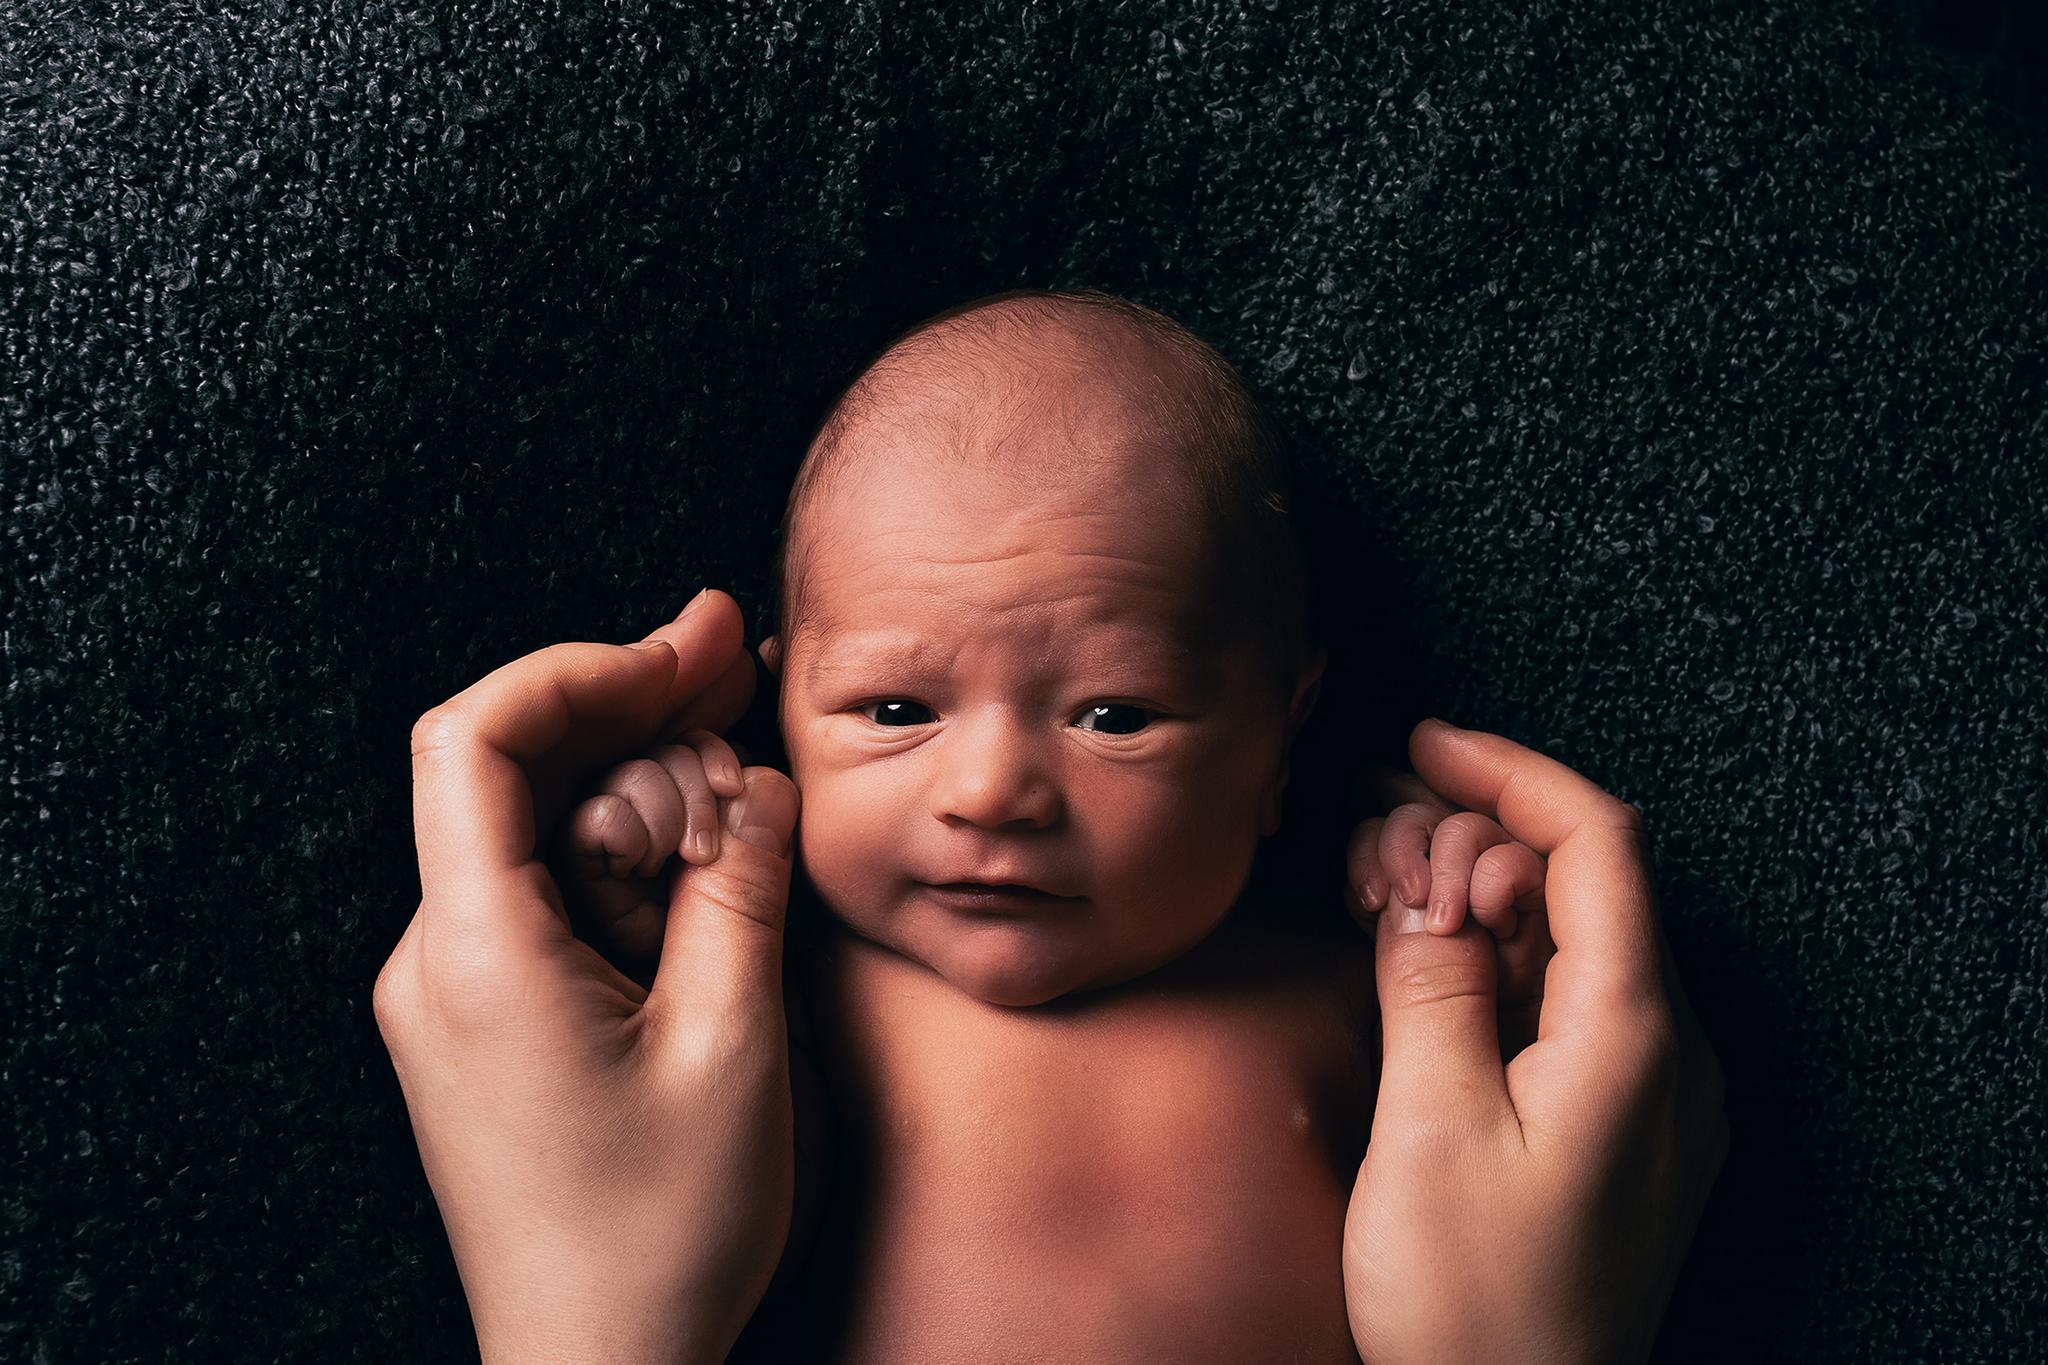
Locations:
1440 1025
721 949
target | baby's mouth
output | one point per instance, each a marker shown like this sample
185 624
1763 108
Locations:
998 895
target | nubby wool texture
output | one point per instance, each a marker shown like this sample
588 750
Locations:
1668 386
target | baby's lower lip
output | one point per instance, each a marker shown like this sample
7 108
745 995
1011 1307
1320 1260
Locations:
972 896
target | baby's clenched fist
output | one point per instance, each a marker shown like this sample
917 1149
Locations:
1451 863
615 844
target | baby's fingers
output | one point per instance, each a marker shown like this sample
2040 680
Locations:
1405 850
605 838
698 836
1506 878
1453 851
646 786
1363 876
721 761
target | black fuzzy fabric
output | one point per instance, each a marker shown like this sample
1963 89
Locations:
1669 376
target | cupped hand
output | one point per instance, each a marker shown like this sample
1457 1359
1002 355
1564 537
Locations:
613 1162
1537 1210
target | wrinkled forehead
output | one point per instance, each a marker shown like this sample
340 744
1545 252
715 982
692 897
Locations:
952 449
939 541
1030 444
955 520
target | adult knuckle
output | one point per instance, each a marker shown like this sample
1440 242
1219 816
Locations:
750 894
1428 983
1660 1059
386 1004
1432 1142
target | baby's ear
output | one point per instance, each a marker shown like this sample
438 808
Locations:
1306 691
771 655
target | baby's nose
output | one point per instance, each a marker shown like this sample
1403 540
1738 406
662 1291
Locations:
993 776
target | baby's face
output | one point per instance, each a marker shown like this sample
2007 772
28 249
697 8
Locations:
1004 683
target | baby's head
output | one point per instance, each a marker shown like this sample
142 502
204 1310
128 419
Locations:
1043 621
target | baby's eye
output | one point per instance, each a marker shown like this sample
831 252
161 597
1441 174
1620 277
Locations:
1115 719
896 713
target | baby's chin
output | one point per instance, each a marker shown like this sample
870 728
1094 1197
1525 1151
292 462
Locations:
1001 961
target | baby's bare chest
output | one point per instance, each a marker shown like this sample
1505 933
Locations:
1160 1176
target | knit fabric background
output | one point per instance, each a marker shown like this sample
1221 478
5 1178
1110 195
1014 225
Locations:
1670 388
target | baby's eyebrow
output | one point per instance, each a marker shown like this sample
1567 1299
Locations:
1134 660
841 661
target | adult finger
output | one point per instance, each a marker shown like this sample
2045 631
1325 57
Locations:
1440 1027
1376 789
1598 894
708 639
721 951
720 705
479 757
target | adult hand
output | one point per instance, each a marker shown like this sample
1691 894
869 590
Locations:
1537 1211
614 1164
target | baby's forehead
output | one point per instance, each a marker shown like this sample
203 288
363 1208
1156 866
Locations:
1133 645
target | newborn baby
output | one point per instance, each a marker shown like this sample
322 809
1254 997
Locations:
1070 1083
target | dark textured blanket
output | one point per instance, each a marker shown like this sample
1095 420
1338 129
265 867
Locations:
1669 375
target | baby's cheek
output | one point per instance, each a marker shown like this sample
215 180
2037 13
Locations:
1185 855
846 854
